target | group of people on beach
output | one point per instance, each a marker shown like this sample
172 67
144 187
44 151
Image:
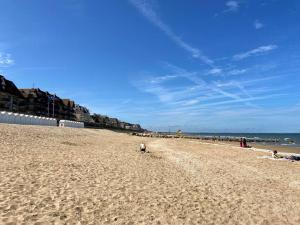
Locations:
275 155
243 143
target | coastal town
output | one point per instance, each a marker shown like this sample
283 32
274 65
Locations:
34 101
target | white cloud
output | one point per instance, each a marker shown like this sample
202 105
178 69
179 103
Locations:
6 60
237 71
232 6
191 102
161 79
257 24
145 8
243 100
215 71
257 51
198 89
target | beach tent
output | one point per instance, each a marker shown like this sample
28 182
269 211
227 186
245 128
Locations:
22 118
34 120
40 121
9 117
16 118
47 121
2 117
68 123
44 121
26 119
30 120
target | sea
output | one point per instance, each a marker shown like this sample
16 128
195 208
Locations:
285 139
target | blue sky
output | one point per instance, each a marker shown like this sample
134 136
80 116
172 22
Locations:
202 66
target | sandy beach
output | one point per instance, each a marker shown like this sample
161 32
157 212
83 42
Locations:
53 175
290 149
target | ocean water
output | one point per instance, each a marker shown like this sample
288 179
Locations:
281 137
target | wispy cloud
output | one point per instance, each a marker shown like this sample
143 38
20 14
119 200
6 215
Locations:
232 6
6 60
146 9
206 97
237 71
257 51
242 100
205 93
258 25
191 102
160 79
215 71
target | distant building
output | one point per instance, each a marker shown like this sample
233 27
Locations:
43 103
38 102
136 127
107 122
34 101
133 127
114 123
82 114
101 121
68 111
11 99
122 125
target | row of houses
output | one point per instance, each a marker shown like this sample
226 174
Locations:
34 101
108 122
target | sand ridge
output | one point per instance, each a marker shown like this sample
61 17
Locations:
83 176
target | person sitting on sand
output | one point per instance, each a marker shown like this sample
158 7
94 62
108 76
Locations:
291 157
142 147
275 155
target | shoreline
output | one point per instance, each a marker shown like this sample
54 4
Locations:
229 141
280 149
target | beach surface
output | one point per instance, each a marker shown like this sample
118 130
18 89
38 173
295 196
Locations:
53 175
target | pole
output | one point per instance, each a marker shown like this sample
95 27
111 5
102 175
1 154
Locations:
48 106
11 103
53 106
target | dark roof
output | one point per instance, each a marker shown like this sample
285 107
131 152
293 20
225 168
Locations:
34 92
39 94
68 102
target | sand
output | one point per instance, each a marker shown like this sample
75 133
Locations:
55 175
279 148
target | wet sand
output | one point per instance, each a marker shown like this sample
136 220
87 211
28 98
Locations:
55 175
279 148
